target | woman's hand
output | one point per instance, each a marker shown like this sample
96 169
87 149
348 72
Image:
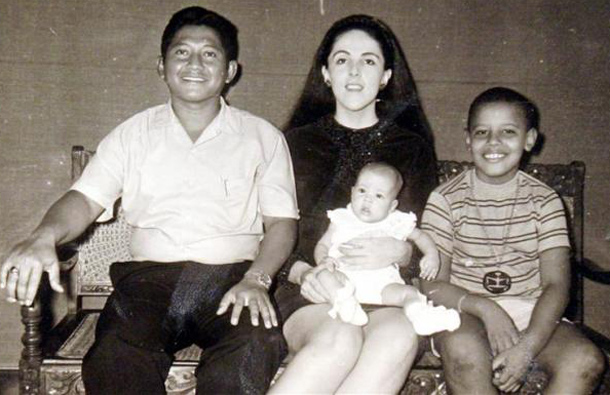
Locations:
311 286
375 252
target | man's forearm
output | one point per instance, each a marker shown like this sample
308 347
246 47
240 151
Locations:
67 218
279 240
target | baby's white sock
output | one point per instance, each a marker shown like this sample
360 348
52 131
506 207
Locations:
428 319
347 307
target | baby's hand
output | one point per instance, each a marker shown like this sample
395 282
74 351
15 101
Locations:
429 266
329 262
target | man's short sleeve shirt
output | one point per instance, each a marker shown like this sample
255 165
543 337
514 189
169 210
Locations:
201 201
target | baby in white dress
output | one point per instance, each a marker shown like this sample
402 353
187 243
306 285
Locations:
372 213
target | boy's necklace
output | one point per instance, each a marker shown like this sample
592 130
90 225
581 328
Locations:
505 227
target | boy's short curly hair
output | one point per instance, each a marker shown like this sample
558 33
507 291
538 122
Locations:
199 16
506 95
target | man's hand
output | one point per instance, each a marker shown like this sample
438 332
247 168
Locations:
249 293
510 367
501 330
374 252
22 270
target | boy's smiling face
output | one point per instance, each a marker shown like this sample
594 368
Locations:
195 67
497 137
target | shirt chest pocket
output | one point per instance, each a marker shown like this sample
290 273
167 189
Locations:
235 188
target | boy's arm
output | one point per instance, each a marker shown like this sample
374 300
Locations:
555 279
512 364
501 330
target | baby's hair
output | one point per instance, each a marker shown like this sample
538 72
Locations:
505 95
199 16
385 168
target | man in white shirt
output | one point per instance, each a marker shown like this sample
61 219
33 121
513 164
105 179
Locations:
209 191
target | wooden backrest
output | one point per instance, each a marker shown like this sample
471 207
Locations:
108 242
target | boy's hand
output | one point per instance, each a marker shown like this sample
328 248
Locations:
510 367
329 263
429 266
251 294
501 330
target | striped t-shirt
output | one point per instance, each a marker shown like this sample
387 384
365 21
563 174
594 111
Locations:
494 234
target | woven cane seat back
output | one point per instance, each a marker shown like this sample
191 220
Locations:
108 242
101 245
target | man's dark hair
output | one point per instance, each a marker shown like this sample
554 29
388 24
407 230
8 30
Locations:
500 94
199 16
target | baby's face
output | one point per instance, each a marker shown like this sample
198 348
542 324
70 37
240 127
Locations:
373 196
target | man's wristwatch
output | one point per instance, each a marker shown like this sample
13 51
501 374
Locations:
260 277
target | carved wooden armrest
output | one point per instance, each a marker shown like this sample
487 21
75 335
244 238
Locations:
31 355
68 256
32 338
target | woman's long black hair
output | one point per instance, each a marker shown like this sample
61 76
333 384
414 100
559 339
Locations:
398 100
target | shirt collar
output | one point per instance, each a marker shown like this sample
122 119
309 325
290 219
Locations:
221 123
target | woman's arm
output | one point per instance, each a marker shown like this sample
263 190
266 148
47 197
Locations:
320 252
418 169
367 253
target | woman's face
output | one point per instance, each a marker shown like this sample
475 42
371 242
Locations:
356 71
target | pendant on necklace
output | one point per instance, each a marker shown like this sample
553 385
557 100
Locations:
497 282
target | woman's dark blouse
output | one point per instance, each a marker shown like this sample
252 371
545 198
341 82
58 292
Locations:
327 158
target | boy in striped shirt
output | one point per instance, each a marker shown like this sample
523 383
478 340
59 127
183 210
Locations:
505 265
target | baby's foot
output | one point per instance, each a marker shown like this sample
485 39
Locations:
347 307
428 319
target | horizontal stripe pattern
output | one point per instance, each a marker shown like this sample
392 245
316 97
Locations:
488 229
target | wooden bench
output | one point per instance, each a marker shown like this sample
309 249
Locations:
51 358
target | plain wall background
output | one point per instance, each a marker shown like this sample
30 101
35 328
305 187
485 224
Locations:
71 70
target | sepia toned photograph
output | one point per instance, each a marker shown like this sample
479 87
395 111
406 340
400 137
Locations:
304 197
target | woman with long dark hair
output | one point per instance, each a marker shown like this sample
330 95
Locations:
359 105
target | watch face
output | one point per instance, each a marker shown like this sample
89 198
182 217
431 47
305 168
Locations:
265 279
261 277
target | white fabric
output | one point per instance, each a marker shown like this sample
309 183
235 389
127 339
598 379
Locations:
519 309
200 201
369 283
